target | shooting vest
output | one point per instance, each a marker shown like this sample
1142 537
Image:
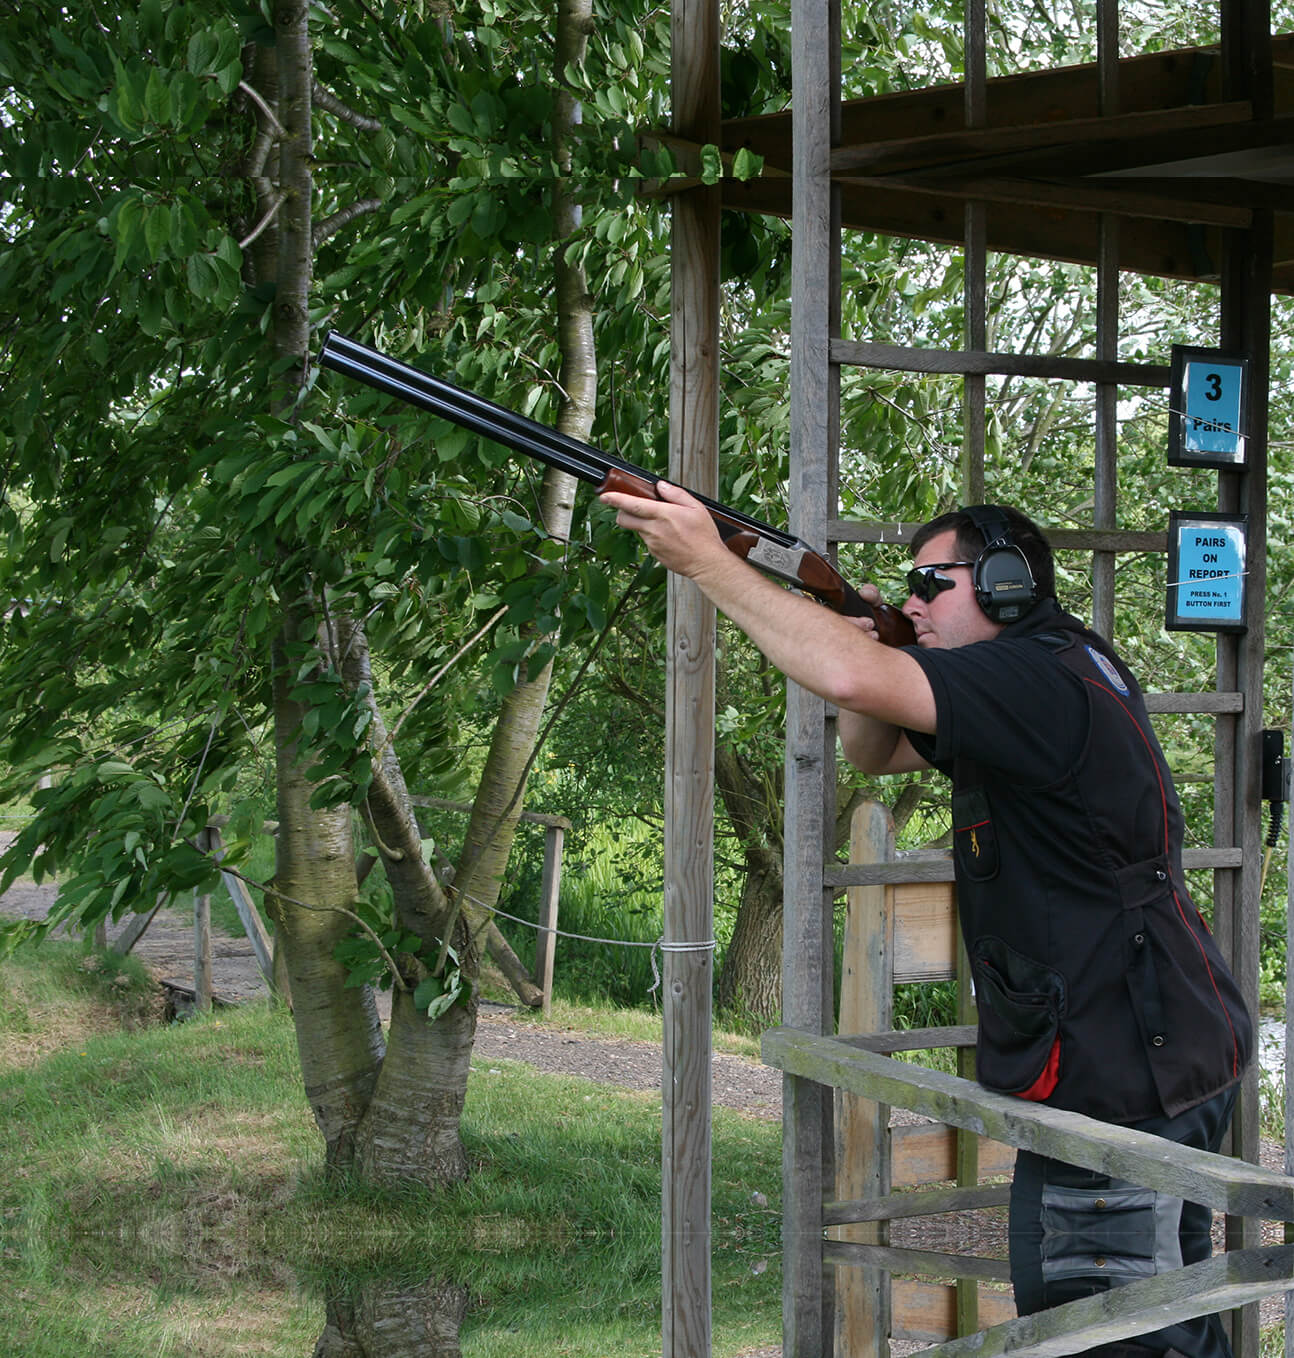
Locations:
1099 986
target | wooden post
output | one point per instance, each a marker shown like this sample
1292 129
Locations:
1289 1046
125 941
808 1128
546 940
257 935
202 990
689 714
862 1295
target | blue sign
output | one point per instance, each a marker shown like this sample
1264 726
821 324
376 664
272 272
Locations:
1209 408
1206 572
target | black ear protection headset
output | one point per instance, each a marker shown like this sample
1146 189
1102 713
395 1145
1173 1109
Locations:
1004 584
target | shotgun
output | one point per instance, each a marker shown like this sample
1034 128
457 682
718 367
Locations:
779 554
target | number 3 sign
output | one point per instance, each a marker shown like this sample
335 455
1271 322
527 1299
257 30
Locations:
1209 407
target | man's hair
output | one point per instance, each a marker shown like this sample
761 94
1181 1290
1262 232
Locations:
1025 534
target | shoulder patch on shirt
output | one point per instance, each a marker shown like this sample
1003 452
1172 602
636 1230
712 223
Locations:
1107 668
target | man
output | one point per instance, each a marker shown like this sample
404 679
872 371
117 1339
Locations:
1099 987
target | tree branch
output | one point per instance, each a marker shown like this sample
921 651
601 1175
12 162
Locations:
331 225
326 99
260 103
266 218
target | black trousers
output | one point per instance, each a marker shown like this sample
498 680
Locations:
1074 1233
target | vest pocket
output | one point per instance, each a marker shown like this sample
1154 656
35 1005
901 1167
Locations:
1020 1006
974 839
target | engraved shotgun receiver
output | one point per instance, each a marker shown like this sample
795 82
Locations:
773 551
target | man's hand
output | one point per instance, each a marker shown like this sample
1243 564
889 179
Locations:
676 529
871 595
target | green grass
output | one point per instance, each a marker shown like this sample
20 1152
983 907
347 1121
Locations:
164 1195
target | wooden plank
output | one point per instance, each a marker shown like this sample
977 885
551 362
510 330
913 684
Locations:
1151 81
927 1312
1195 702
257 935
913 1039
925 932
1158 197
926 1153
931 1262
862 1317
901 870
1217 1284
1062 539
838 875
1143 133
202 990
894 1206
1215 1180
1217 858
1152 246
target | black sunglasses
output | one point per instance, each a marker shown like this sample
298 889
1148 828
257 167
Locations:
926 581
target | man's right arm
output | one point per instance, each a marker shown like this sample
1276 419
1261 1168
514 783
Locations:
875 746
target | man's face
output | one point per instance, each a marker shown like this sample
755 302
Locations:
952 617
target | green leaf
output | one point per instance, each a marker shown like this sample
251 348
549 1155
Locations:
157 230
158 103
747 164
711 165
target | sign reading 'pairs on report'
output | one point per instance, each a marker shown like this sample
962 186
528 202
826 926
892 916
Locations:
1206 572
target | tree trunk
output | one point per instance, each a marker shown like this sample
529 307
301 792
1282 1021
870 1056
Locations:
750 979
411 1131
338 1035
339 1038
500 797
382 1321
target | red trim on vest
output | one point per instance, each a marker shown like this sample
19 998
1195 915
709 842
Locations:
1046 1082
1181 913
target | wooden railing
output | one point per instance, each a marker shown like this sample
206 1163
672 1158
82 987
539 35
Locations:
904 930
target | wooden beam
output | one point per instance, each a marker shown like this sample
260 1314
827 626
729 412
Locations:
930 1262
1132 138
1154 81
1149 1161
1161 248
1226 203
1060 367
839 875
929 1203
1218 1284
1062 539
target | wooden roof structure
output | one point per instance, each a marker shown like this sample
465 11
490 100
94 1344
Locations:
1179 162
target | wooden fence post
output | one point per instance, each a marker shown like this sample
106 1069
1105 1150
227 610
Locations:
257 935
202 991
862 1149
546 940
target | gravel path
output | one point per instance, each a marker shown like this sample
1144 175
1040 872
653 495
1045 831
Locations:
503 1032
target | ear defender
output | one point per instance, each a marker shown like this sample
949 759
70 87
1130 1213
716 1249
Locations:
1004 584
